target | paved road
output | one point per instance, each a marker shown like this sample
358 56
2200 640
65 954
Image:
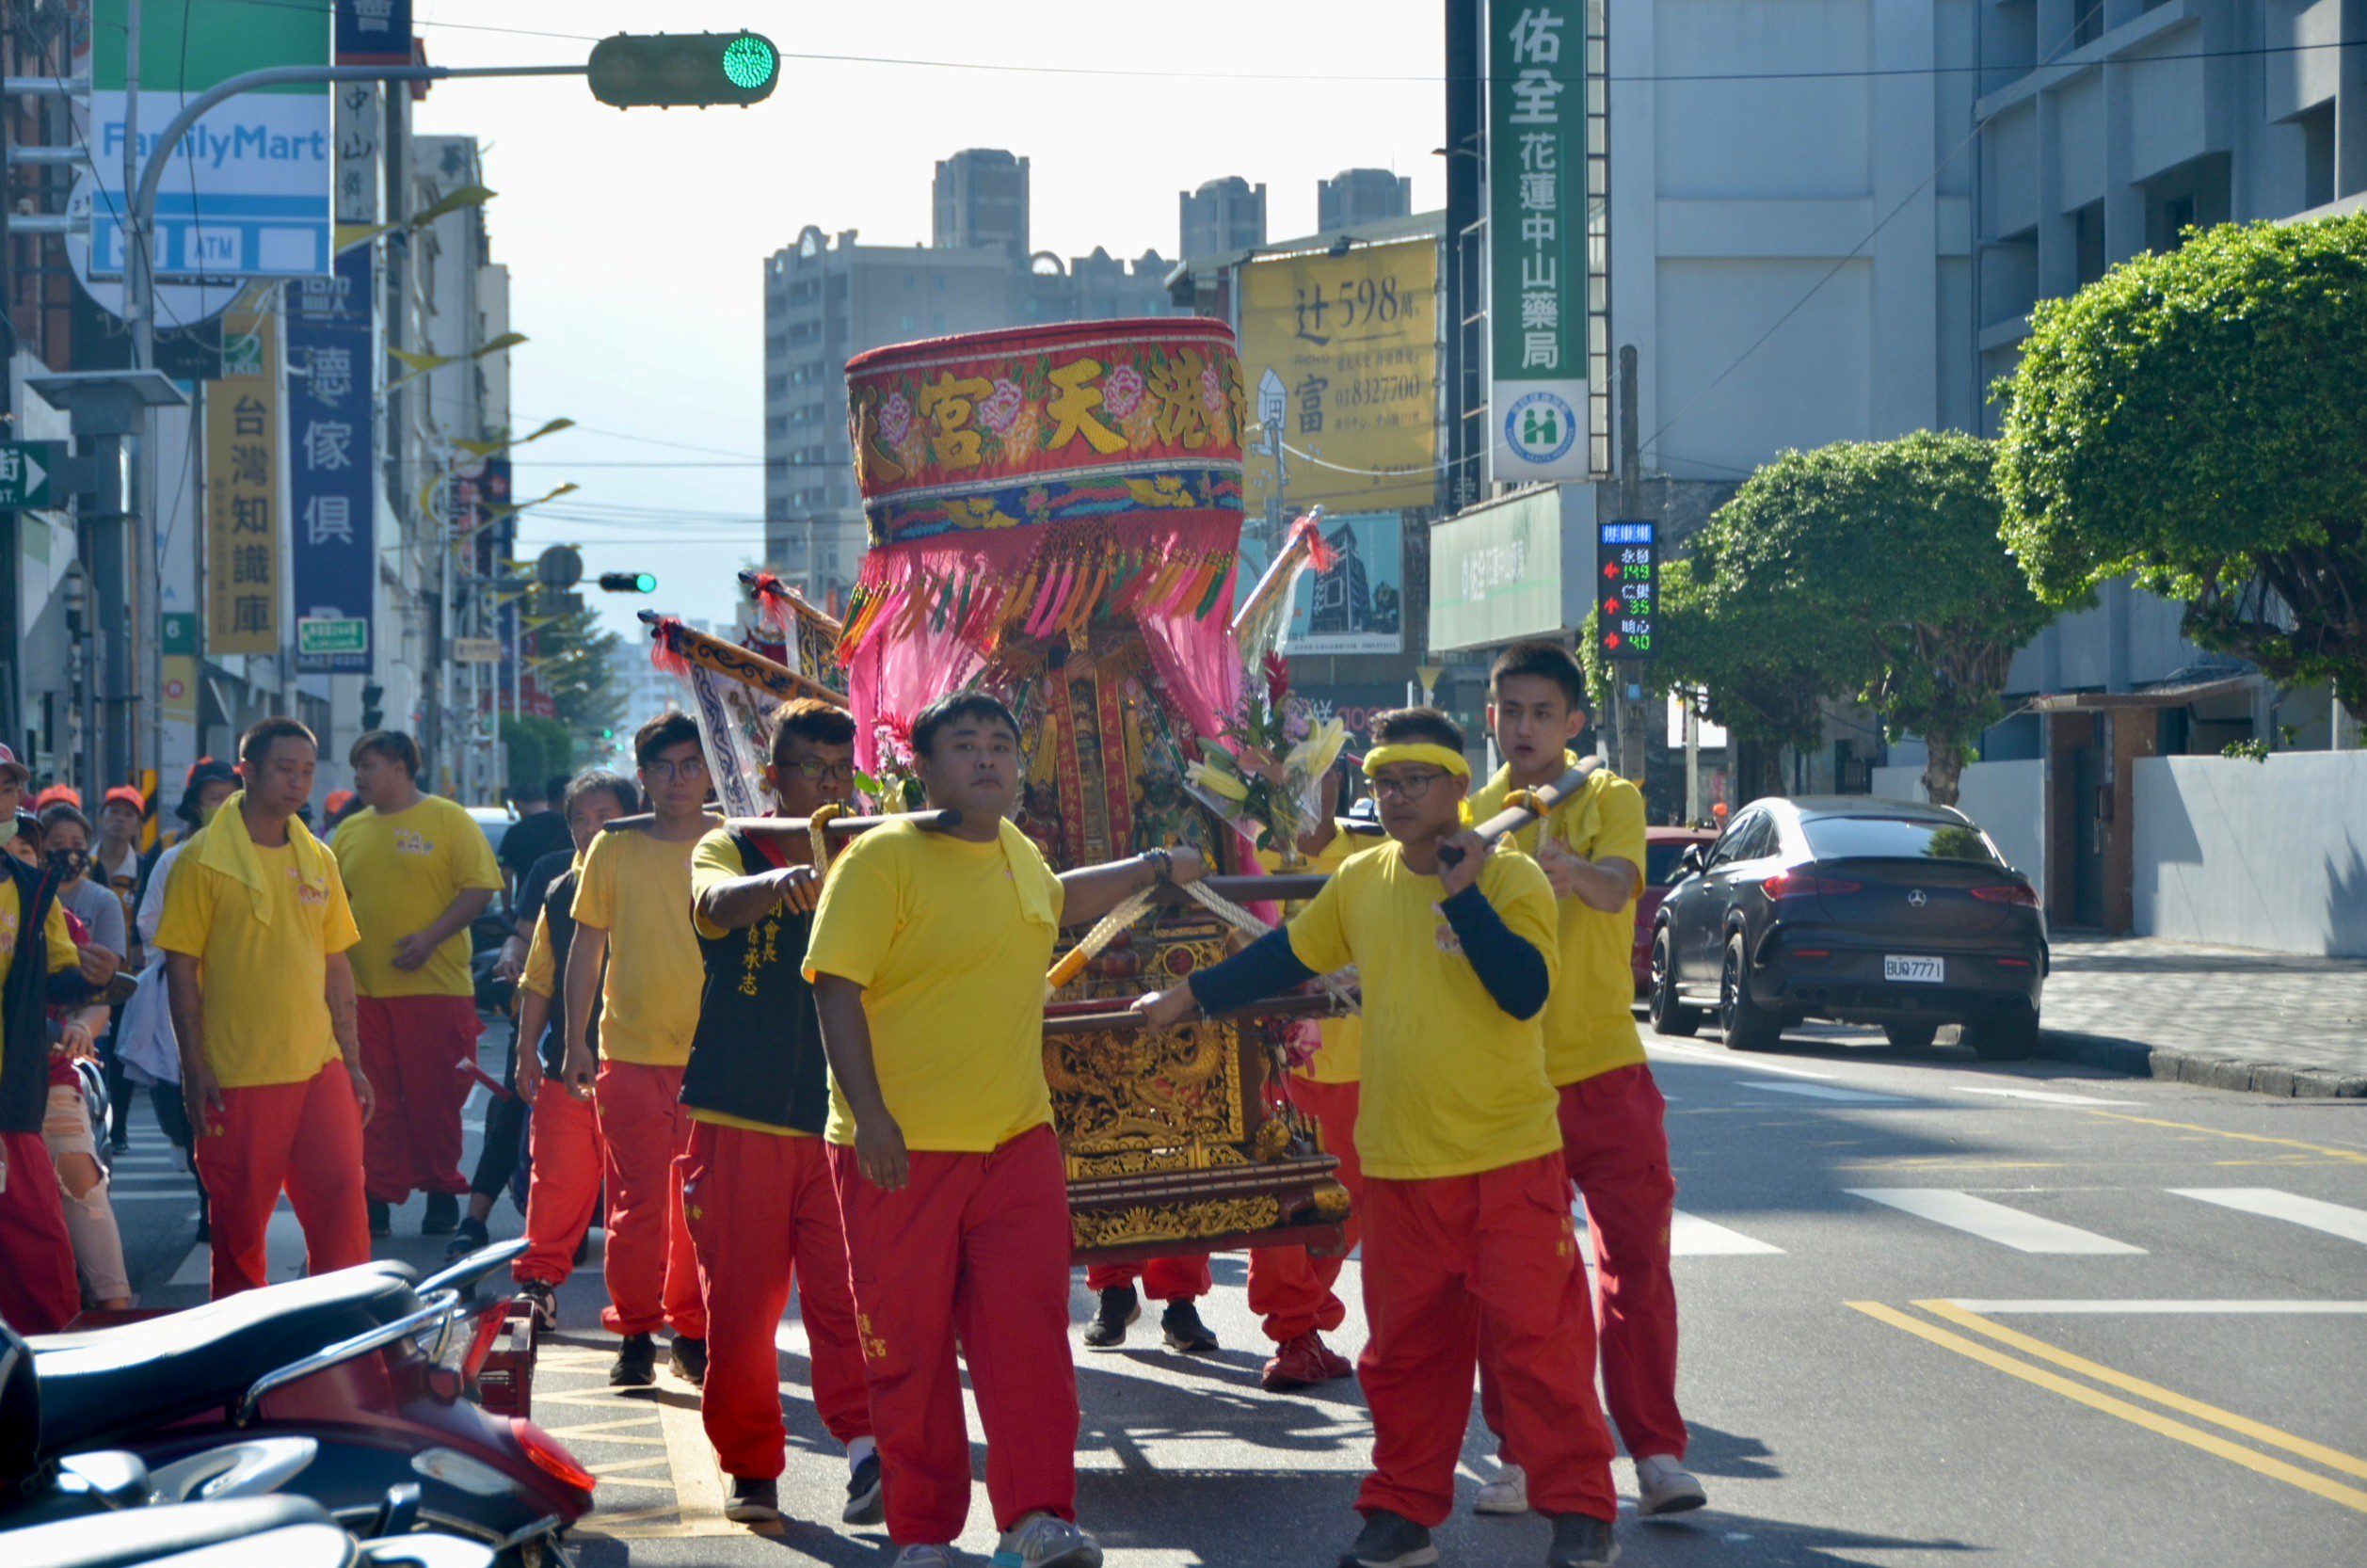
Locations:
1934 1313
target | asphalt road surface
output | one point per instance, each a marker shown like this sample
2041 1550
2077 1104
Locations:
1934 1312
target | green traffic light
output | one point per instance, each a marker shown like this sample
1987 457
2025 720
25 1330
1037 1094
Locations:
643 582
749 61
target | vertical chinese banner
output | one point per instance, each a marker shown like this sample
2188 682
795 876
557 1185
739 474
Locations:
333 550
1537 254
242 489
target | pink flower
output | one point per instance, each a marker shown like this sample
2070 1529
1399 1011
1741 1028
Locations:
895 419
1122 392
1212 390
1001 406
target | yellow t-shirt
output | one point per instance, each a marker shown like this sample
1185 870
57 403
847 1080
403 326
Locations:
1590 1027
933 928
638 887
266 1002
541 974
402 872
60 941
717 860
1452 1084
1340 1057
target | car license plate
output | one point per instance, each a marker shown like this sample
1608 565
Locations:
1929 972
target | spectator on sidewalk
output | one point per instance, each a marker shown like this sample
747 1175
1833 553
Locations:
419 870
116 856
256 931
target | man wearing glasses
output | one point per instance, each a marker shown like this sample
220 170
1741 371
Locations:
755 1183
635 886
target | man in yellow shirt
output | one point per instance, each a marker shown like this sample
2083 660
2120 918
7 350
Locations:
1468 1227
255 934
755 1183
634 964
927 959
418 870
1614 1134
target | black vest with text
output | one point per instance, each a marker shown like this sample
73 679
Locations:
758 1052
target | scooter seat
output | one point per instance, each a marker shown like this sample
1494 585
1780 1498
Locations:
139 1535
107 1383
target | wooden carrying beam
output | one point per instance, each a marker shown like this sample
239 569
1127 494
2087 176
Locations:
1514 818
799 828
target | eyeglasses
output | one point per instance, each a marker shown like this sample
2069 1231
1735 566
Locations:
689 767
814 770
1407 786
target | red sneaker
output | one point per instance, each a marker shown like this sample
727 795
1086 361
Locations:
1334 1363
1297 1364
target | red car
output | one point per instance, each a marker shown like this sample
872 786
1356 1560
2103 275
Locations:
1663 848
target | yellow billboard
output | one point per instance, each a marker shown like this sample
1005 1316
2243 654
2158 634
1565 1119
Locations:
1340 354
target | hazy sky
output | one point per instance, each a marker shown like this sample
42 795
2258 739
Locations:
635 239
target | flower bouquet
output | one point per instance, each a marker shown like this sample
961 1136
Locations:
1265 775
894 788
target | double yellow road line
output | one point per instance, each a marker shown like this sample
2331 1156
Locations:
2028 1368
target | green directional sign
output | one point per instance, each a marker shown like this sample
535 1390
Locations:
24 470
321 635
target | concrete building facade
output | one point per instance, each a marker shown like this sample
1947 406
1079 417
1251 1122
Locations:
1220 217
978 202
1361 196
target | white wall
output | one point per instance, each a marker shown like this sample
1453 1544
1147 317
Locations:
2006 798
2260 854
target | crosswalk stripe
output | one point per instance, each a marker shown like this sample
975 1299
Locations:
1993 1221
2331 1218
1820 1092
1690 1235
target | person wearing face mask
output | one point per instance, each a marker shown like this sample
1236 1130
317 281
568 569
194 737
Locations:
66 832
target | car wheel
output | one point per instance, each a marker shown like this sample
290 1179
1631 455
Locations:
1668 1015
1748 1026
1910 1037
2007 1038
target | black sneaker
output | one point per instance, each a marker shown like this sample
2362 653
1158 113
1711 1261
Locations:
1581 1541
754 1500
864 1500
544 1302
381 1219
1184 1331
637 1363
468 1238
688 1357
1119 1306
119 1144
443 1215
1390 1541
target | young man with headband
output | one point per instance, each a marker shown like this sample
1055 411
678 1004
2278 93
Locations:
1467 1230
1615 1140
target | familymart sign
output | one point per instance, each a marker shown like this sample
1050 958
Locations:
1537 196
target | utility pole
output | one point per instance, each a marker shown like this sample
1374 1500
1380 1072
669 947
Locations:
1627 693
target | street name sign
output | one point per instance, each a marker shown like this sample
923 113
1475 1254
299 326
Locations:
24 470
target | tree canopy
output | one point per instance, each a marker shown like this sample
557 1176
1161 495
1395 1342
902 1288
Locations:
2197 419
1871 568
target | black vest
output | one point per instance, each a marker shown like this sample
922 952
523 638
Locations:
558 911
758 1052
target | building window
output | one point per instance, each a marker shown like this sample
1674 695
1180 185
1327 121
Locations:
2317 155
2088 241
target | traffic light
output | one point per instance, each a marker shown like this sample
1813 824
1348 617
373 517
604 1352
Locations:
628 582
373 706
685 69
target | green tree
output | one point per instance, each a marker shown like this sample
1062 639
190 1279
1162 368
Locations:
578 675
2197 419
538 747
1876 569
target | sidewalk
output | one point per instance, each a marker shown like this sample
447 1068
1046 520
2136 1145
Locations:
2273 1023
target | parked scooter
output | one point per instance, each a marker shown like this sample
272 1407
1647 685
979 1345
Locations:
370 1371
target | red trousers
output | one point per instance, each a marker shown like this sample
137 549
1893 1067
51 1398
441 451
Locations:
1163 1279
762 1212
1615 1145
416 1050
974 1249
1291 1290
653 1272
303 1139
39 1293
563 1189
1445 1258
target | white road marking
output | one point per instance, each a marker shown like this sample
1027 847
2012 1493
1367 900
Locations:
283 1250
2181 1308
1690 1235
2042 1096
1708 1057
188 1196
2331 1218
1819 1092
1993 1221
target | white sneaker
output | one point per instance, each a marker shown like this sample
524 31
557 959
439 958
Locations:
1045 1541
1507 1493
926 1557
1665 1487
